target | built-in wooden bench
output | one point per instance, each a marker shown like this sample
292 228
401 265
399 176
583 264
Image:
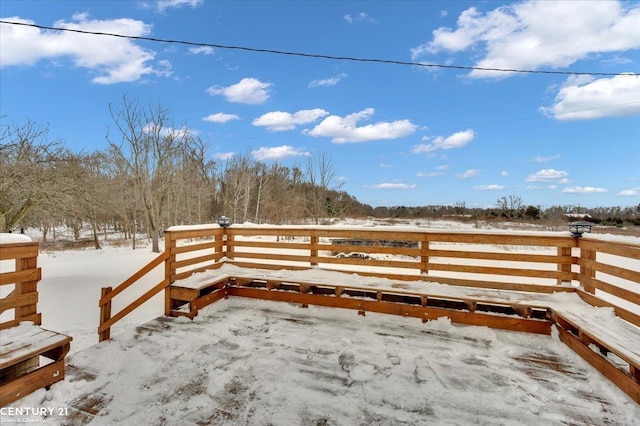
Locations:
20 350
509 310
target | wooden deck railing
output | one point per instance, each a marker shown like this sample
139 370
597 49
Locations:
24 276
476 259
611 272
25 347
179 257
538 262
106 320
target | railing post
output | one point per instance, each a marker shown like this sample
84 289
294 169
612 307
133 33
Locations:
27 287
105 315
169 271
313 242
424 257
228 238
586 271
564 266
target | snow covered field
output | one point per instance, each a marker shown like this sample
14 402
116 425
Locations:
258 362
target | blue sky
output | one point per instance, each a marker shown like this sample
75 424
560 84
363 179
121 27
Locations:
396 134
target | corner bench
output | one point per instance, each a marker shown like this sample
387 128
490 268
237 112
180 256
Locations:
591 342
20 350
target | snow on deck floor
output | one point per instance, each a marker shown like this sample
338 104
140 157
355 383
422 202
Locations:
254 362
600 321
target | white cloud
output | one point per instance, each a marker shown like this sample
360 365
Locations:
278 153
224 155
534 34
488 187
547 175
540 159
328 81
164 132
583 190
468 174
278 121
248 91
110 59
605 97
389 185
162 5
345 129
456 140
205 50
504 173
385 165
536 187
628 192
360 17
439 171
220 118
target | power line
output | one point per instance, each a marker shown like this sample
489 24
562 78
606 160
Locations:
313 55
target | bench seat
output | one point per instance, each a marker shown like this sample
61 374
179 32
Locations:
20 350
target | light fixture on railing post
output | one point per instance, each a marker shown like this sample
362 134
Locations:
224 221
579 228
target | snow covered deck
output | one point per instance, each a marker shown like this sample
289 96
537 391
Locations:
243 361
544 284
599 324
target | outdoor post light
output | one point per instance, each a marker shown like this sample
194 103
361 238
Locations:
579 228
224 221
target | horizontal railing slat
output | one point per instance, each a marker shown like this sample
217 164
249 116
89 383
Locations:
194 261
196 247
33 274
139 301
507 257
616 271
271 245
403 251
370 262
271 256
622 293
135 277
630 251
11 302
195 233
491 270
18 250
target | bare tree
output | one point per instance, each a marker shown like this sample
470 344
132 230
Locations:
509 205
149 147
238 182
281 202
29 172
319 176
193 194
92 191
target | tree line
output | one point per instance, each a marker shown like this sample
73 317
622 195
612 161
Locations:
512 208
153 175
